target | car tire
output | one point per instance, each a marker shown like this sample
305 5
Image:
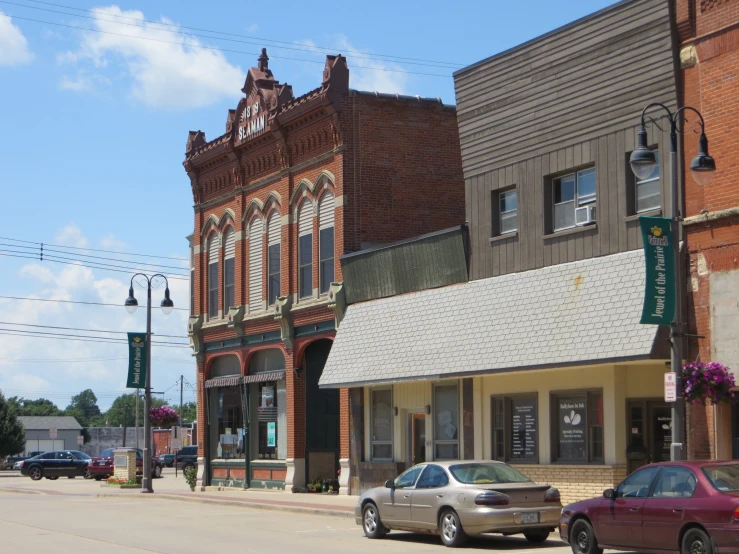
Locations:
696 541
71 476
87 474
536 536
185 467
371 523
582 538
98 477
35 473
450 529
157 472
54 478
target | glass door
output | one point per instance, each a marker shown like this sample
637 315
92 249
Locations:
649 433
660 419
418 444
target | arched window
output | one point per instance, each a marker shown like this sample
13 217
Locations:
274 234
229 269
256 232
213 276
305 249
325 242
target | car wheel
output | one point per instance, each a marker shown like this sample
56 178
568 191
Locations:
185 467
54 478
71 476
87 474
582 538
450 529
697 541
35 473
157 472
371 523
536 535
98 478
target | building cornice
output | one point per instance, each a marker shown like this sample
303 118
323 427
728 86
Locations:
710 217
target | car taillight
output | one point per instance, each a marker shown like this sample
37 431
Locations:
491 499
736 514
552 495
23 463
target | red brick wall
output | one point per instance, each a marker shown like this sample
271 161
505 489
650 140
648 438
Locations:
712 86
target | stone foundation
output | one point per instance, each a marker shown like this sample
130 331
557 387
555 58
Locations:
575 482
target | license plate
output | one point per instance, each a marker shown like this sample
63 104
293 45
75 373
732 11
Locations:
101 463
530 517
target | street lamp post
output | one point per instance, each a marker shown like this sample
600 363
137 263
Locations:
642 163
167 307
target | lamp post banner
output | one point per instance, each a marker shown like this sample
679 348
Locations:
659 293
136 361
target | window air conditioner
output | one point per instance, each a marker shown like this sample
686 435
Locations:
585 215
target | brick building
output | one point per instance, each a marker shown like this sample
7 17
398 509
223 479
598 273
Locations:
294 183
709 57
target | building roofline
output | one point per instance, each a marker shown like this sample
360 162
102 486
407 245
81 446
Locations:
403 97
401 242
566 26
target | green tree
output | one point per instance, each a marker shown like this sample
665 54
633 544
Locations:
12 433
39 407
126 405
83 407
189 412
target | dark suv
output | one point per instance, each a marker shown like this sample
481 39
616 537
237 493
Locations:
186 456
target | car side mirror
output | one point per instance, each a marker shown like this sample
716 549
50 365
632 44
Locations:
609 493
390 484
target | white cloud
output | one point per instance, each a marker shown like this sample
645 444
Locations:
57 380
109 242
253 28
71 235
84 82
167 70
13 45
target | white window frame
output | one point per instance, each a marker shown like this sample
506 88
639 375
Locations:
578 200
651 179
372 426
501 196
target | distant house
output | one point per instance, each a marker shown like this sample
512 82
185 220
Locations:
39 429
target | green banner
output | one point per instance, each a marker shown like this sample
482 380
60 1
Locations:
136 361
659 293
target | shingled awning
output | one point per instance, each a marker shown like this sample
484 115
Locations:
568 314
234 381
265 377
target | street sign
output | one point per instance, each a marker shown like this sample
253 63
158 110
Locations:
175 444
80 440
52 433
670 387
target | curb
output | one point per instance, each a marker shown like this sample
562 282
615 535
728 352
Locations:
21 491
256 505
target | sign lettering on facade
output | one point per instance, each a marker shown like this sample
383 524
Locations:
136 361
52 433
80 440
252 121
659 293
670 387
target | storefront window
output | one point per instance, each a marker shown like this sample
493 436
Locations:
515 429
267 398
230 423
578 427
446 422
381 422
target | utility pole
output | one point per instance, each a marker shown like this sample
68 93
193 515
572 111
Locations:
179 424
137 418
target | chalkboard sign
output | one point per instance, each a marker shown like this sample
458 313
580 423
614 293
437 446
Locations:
523 429
571 438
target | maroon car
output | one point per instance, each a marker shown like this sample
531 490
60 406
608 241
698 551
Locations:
101 467
686 507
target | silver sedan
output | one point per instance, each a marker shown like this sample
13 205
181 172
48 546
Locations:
457 499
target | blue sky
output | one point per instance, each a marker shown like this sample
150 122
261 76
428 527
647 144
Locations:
94 126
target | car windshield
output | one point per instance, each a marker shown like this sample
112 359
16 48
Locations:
484 474
724 477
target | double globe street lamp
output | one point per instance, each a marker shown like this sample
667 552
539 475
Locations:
642 162
167 306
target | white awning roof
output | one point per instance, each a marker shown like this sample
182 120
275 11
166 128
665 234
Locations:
575 313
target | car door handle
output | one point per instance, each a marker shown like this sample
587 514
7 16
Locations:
677 510
439 496
635 508
406 496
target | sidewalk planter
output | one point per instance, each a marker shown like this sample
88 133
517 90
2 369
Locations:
123 483
704 383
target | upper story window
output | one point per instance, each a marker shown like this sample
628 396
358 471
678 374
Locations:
325 242
213 244
256 238
505 211
647 194
229 269
305 249
274 237
570 192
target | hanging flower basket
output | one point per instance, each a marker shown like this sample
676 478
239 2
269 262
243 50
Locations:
163 417
708 383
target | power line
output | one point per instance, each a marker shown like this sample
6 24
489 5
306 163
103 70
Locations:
290 45
112 339
98 250
87 360
29 334
87 330
13 254
72 302
43 252
216 48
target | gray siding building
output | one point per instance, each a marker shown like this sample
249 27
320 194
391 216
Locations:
40 428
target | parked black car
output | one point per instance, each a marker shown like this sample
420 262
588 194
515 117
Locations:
187 456
55 464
